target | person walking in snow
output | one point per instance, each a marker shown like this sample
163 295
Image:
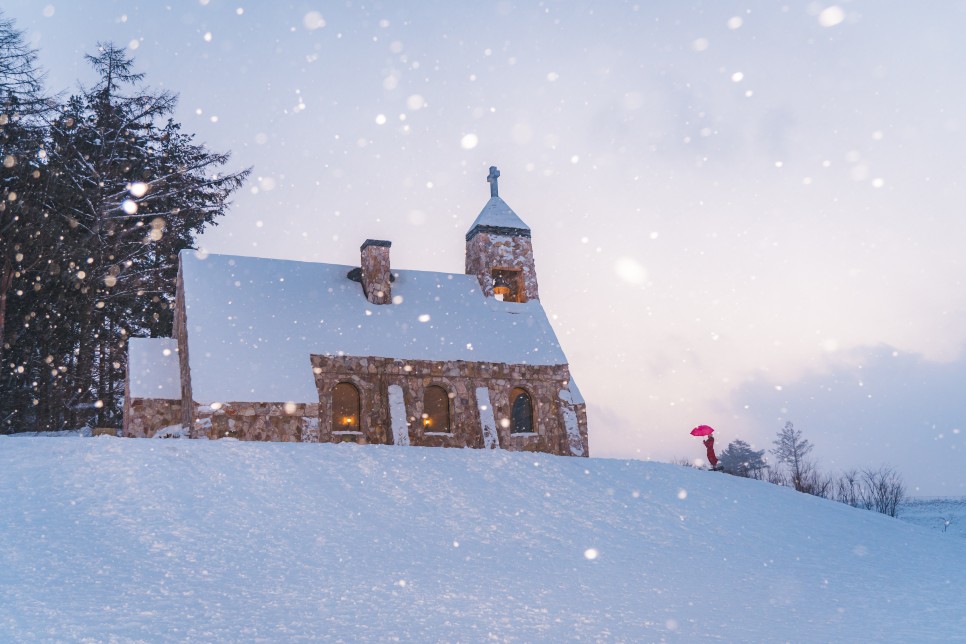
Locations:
707 430
709 443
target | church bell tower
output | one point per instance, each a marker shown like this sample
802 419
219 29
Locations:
499 251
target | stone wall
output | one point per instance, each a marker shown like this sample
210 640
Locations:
488 251
581 411
143 417
312 422
248 421
372 377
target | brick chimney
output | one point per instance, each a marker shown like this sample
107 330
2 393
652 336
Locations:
375 271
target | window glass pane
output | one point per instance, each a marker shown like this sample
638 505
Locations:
436 410
521 415
345 407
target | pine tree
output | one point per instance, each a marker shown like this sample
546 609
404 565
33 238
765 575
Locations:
25 229
126 191
140 192
740 459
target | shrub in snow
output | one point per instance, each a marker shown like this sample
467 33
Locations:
882 490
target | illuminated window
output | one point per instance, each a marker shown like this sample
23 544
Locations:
521 412
345 408
435 410
506 286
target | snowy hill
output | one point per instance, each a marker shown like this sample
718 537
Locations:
173 540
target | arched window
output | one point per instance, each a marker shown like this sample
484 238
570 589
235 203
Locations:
521 412
345 408
436 410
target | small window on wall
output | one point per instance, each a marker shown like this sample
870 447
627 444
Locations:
345 408
436 410
521 412
507 286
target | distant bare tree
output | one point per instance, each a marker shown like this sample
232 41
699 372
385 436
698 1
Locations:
792 450
776 476
848 488
813 482
882 490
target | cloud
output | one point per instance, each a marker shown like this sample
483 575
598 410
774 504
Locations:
872 406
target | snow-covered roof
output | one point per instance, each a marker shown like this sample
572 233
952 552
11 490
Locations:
254 323
497 214
153 368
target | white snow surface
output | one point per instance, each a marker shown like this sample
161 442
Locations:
397 416
570 423
497 212
113 539
491 438
261 319
153 368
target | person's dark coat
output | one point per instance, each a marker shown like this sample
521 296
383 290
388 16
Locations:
709 443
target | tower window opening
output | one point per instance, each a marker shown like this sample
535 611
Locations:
506 285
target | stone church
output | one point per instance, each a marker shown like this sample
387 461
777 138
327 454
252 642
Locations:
277 350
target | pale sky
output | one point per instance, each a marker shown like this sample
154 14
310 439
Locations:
743 213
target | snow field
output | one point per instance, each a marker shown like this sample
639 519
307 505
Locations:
222 540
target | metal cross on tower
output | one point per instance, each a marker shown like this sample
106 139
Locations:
491 178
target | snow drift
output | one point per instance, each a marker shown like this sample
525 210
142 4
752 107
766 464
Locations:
173 540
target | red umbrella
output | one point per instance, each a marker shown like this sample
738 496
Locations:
702 430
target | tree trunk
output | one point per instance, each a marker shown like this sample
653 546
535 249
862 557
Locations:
83 376
6 282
